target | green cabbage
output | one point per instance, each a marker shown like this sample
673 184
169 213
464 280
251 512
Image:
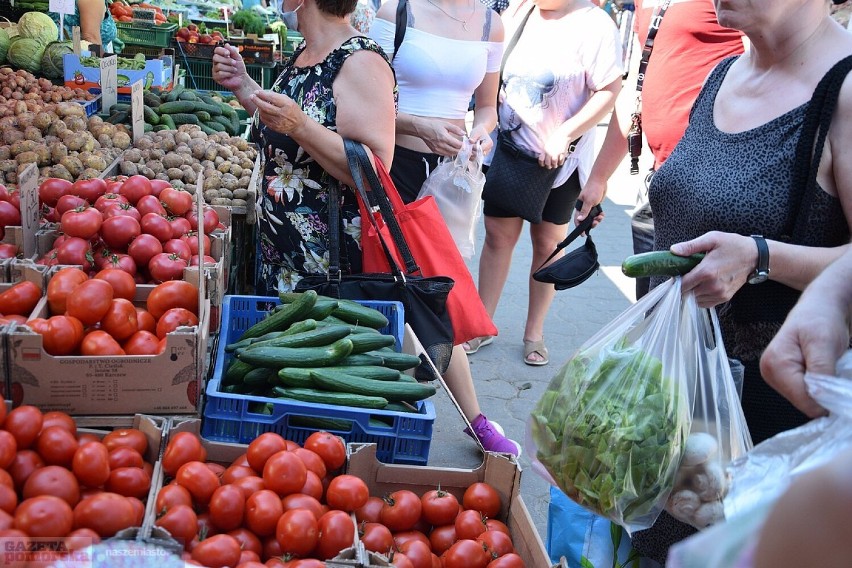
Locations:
38 26
4 44
51 59
25 53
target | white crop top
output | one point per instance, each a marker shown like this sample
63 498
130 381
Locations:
436 75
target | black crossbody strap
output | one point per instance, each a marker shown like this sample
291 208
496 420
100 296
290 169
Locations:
584 226
512 42
401 24
656 20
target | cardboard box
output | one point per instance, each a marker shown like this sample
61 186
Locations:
498 470
168 383
157 73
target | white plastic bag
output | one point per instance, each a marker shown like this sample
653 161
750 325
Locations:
456 184
611 430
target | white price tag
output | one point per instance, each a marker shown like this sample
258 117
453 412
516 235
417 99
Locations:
137 116
28 185
109 82
62 6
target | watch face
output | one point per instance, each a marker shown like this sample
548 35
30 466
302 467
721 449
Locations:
758 277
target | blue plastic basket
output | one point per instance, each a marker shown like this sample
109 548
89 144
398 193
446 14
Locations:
91 107
401 437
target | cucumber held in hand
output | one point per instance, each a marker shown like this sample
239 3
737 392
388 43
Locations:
659 263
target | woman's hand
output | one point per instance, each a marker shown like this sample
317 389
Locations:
442 137
279 112
729 260
555 151
479 134
228 67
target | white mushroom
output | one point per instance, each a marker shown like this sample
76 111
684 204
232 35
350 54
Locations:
711 484
708 514
683 504
699 448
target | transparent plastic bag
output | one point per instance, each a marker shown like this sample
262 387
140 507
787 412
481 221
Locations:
456 184
612 427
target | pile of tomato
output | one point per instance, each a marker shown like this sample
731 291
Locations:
18 301
62 485
144 227
97 316
282 504
10 215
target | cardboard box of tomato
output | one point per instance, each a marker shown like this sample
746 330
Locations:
168 383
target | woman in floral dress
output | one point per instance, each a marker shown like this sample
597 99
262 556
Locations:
319 99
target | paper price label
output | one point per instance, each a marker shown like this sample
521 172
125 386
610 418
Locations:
62 6
109 82
28 185
137 117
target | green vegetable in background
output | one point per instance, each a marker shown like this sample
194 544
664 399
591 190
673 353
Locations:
610 430
249 21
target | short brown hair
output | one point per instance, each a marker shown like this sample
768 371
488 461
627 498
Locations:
337 7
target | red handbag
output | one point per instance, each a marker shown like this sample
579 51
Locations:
434 250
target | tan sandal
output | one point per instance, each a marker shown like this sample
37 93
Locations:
475 344
531 347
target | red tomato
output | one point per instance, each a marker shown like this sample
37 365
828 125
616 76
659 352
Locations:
173 319
24 464
57 418
401 510
142 343
52 189
75 251
177 294
8 499
180 226
227 506
89 189
118 232
376 537
442 538
297 532
56 446
510 560
139 509
400 538
157 226
144 248
105 513
483 498
236 472
129 482
122 210
263 509
18 299
81 538
191 238
170 496
53 480
44 516
181 522
150 204
496 542
210 219
100 343
126 437
124 456
247 540
337 531
302 501
109 199
347 493
176 201
63 335
312 461
198 479
217 551
8 447
329 447
135 187
178 247
164 267
89 301
91 464
158 185
262 448
465 554
83 222
183 447
249 485
122 283
371 511
24 423
439 507
68 203
495 525
284 473
122 262
469 524
195 260
145 320
418 552
120 319
313 486
8 250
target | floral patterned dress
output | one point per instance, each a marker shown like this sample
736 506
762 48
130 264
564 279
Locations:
293 208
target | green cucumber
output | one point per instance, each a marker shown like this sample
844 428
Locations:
151 100
236 372
187 96
281 320
259 377
296 377
174 106
373 372
400 407
202 115
352 328
315 338
209 123
175 93
398 361
212 110
353 312
362 360
280 357
659 263
243 343
151 117
392 391
336 398
166 120
364 342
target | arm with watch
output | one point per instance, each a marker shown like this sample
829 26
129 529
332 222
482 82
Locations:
732 261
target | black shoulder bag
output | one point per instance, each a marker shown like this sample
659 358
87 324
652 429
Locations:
424 299
578 265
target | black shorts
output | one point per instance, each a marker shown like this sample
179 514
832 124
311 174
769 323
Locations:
559 207
410 169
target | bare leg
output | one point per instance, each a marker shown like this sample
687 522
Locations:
545 236
501 236
460 381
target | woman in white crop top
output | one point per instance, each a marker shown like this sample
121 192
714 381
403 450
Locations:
451 51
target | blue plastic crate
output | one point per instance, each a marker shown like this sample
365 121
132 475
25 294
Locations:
91 107
401 437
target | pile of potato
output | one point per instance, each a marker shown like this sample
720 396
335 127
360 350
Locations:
177 156
21 85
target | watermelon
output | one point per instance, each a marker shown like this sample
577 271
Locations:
51 59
